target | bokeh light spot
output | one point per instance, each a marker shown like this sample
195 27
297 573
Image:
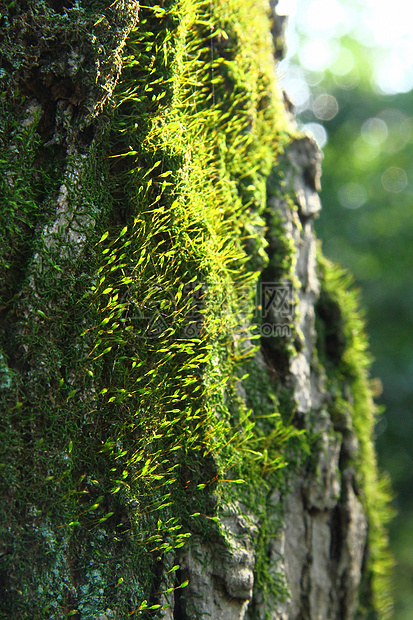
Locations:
352 195
392 76
325 107
324 17
318 132
374 131
318 54
394 179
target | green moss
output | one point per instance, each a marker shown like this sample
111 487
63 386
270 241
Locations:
130 319
343 349
120 408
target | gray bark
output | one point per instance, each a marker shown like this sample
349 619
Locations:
80 535
321 543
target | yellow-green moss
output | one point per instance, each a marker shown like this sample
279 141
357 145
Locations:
343 350
119 365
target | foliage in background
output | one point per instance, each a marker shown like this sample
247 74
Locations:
120 365
367 226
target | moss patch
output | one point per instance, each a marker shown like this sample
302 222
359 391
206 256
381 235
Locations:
343 350
135 212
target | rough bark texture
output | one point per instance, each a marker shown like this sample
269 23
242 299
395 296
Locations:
324 537
321 545
186 413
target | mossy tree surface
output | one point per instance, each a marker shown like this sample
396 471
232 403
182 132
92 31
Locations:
150 423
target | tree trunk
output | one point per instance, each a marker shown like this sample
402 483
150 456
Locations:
186 409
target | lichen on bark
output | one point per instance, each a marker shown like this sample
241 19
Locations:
186 413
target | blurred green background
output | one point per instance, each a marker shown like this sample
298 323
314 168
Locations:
349 74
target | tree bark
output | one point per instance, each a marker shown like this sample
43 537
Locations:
187 416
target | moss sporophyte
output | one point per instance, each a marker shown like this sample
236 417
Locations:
136 147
